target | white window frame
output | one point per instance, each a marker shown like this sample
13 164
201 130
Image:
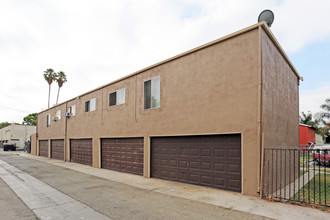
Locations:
151 93
58 114
92 105
118 91
72 110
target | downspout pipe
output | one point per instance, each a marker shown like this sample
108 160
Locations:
65 133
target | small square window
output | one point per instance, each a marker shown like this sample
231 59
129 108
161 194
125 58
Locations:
117 97
58 115
152 93
90 105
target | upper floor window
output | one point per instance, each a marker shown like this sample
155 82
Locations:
117 97
90 105
152 93
57 115
72 110
48 120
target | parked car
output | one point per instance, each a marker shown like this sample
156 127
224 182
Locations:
7 147
321 154
325 157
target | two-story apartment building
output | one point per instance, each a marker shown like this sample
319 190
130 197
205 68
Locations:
202 117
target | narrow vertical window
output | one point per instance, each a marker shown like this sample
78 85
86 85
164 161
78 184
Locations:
48 120
92 104
87 106
73 110
120 96
113 98
147 94
152 93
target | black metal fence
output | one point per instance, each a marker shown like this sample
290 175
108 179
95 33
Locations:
300 175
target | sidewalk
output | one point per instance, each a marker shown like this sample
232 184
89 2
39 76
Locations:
45 201
226 199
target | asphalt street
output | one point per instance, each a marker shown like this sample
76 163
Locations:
106 198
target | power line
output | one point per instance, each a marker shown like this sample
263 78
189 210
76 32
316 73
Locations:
13 109
16 100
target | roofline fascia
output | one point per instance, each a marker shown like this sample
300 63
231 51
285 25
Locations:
279 47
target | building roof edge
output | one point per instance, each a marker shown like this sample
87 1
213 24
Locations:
242 31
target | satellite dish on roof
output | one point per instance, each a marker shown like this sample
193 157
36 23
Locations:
267 16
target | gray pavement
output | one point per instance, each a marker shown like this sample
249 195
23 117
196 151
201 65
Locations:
115 200
45 201
11 206
125 196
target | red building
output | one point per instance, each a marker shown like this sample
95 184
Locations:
306 135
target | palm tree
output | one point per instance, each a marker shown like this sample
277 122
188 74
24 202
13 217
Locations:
49 76
324 117
326 108
307 119
61 79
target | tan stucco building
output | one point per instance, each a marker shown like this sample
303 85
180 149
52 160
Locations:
16 134
201 117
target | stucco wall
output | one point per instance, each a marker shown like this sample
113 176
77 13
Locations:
211 91
280 99
280 117
33 144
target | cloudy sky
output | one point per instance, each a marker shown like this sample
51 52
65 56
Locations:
97 41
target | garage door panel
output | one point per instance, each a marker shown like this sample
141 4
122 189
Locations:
212 160
123 154
219 167
234 168
43 148
220 152
207 180
219 182
57 149
194 178
234 183
81 151
206 165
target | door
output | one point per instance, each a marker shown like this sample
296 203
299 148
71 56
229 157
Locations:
57 149
43 148
123 154
81 151
207 160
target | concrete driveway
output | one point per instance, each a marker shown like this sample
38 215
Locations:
52 189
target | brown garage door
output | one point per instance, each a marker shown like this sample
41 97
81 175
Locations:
81 151
123 154
43 148
211 160
57 149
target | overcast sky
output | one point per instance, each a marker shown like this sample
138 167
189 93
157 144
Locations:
97 41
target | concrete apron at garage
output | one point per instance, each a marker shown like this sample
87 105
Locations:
226 199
